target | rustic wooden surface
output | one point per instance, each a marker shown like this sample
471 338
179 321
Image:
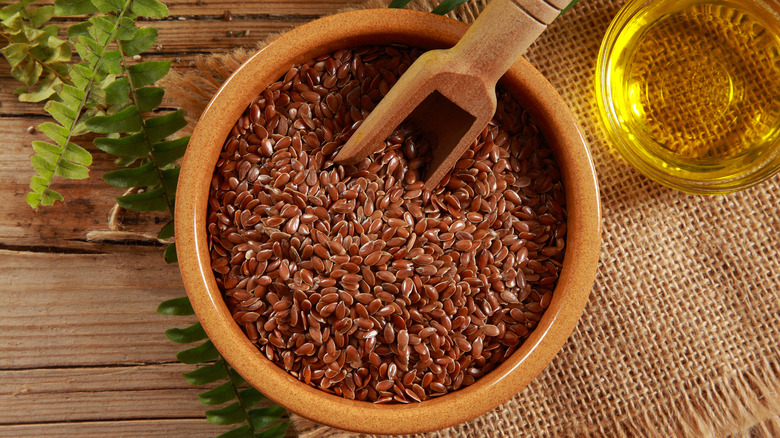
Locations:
82 351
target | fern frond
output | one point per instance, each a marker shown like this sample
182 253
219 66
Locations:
33 50
131 95
64 158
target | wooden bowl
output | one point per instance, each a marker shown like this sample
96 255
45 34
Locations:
425 30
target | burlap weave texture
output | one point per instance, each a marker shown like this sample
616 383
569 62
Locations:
681 336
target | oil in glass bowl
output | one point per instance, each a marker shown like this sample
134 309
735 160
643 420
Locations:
689 91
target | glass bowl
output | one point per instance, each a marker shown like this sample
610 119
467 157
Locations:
689 91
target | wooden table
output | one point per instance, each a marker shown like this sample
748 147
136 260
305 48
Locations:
82 351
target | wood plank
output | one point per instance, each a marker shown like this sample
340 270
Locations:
18 384
188 427
255 7
194 36
83 394
64 310
270 8
89 394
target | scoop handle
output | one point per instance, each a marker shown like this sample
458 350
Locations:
502 32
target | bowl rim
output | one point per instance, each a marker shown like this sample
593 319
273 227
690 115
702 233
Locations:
580 263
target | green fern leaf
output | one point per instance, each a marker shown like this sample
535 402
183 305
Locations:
124 29
108 6
148 72
38 182
240 432
250 397
48 168
170 254
202 353
44 169
27 72
66 8
144 39
193 333
81 75
176 306
90 49
398 4
43 33
207 374
221 394
78 30
166 231
58 52
571 5
127 120
39 16
230 414
118 91
235 377
170 178
73 153
62 113
15 53
150 8
447 6
44 90
278 431
9 11
56 132
163 126
142 176
33 51
70 95
71 170
148 98
45 197
264 417
128 146
152 200
169 151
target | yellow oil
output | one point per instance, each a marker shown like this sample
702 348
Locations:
697 83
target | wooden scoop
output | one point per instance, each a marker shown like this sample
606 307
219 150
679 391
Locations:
451 94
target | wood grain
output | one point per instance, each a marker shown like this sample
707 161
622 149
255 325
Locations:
83 350
82 394
186 427
86 309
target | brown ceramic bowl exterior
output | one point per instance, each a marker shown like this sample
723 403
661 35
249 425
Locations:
381 26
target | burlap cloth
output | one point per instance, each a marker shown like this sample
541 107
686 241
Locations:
681 336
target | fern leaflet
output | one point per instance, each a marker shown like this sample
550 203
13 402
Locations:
64 158
33 49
